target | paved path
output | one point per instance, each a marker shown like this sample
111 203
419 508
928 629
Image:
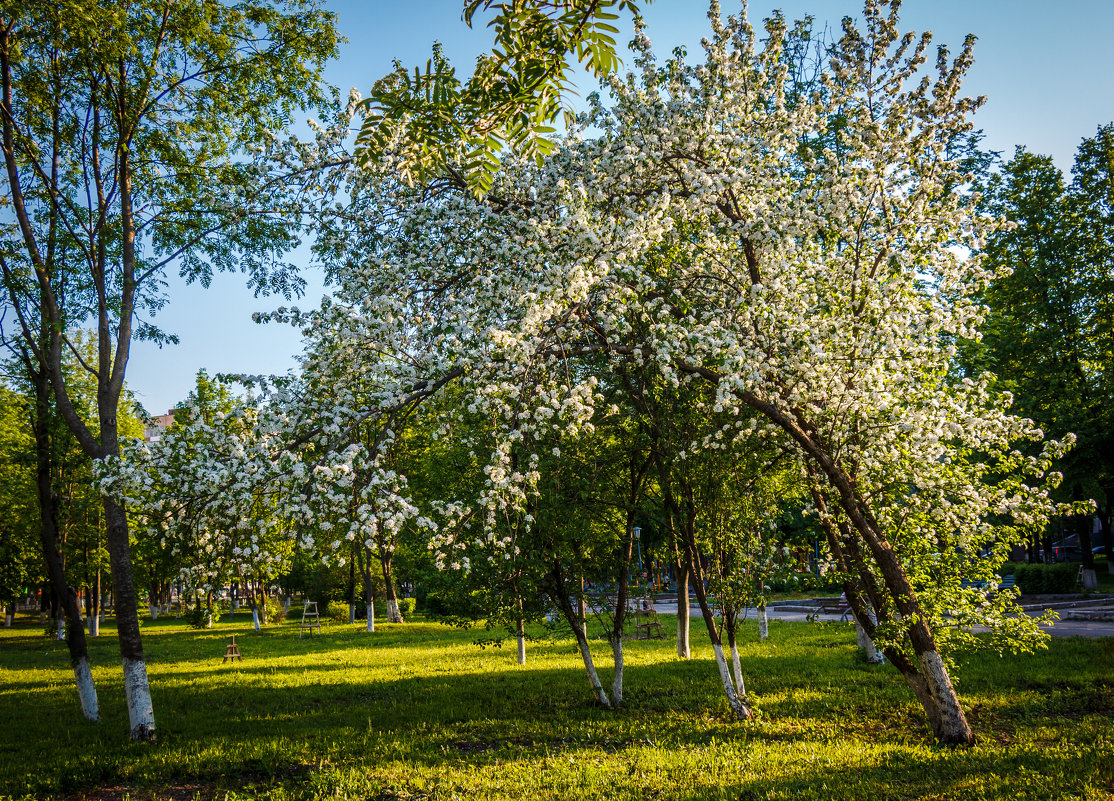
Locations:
1062 628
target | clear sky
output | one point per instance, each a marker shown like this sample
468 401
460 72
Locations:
1047 69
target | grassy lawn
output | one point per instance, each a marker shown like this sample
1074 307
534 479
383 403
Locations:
416 711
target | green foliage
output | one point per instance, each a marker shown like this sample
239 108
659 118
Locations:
1050 579
513 99
419 712
273 610
203 617
337 611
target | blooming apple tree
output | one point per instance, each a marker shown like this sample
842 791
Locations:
806 252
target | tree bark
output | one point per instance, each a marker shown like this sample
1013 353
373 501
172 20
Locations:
141 715
684 619
394 615
74 633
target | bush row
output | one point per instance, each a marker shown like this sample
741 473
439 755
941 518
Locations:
338 611
1043 579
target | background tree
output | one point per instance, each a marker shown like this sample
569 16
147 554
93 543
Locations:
1048 330
124 126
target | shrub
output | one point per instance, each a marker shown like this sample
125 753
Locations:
337 611
273 610
201 617
1038 579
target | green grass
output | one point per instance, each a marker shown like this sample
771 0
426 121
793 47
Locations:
416 711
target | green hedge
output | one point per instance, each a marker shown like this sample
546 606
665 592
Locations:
1043 579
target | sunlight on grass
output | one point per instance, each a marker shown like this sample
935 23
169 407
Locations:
417 711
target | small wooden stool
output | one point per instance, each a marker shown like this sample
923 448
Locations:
233 651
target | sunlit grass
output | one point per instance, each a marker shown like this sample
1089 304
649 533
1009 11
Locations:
417 711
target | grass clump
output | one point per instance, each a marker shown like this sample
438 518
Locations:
417 711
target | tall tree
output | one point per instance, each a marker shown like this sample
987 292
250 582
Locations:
124 131
1048 332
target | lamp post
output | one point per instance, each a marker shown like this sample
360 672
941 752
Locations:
638 541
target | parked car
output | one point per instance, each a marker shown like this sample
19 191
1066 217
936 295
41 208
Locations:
1066 553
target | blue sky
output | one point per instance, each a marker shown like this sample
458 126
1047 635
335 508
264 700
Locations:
1047 69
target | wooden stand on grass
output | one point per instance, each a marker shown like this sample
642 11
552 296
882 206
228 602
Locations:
646 623
310 620
233 651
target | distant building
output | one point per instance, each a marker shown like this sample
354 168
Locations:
156 425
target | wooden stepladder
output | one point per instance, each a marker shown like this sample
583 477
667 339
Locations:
310 620
232 652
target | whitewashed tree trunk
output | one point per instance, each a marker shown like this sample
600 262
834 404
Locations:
255 619
95 625
617 677
351 613
286 603
154 611
866 645
393 613
684 621
590 669
763 623
86 689
738 708
737 664
8 615
952 723
61 627
141 713
371 618
1090 579
520 637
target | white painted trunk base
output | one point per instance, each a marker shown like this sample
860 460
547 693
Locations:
952 720
617 678
255 618
351 614
393 613
763 624
733 701
94 626
141 713
371 618
154 610
86 690
871 653
521 656
1090 579
61 628
593 677
8 619
740 688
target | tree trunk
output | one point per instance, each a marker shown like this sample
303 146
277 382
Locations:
684 619
520 637
352 589
141 714
947 718
364 557
9 614
617 676
393 613
74 634
763 622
